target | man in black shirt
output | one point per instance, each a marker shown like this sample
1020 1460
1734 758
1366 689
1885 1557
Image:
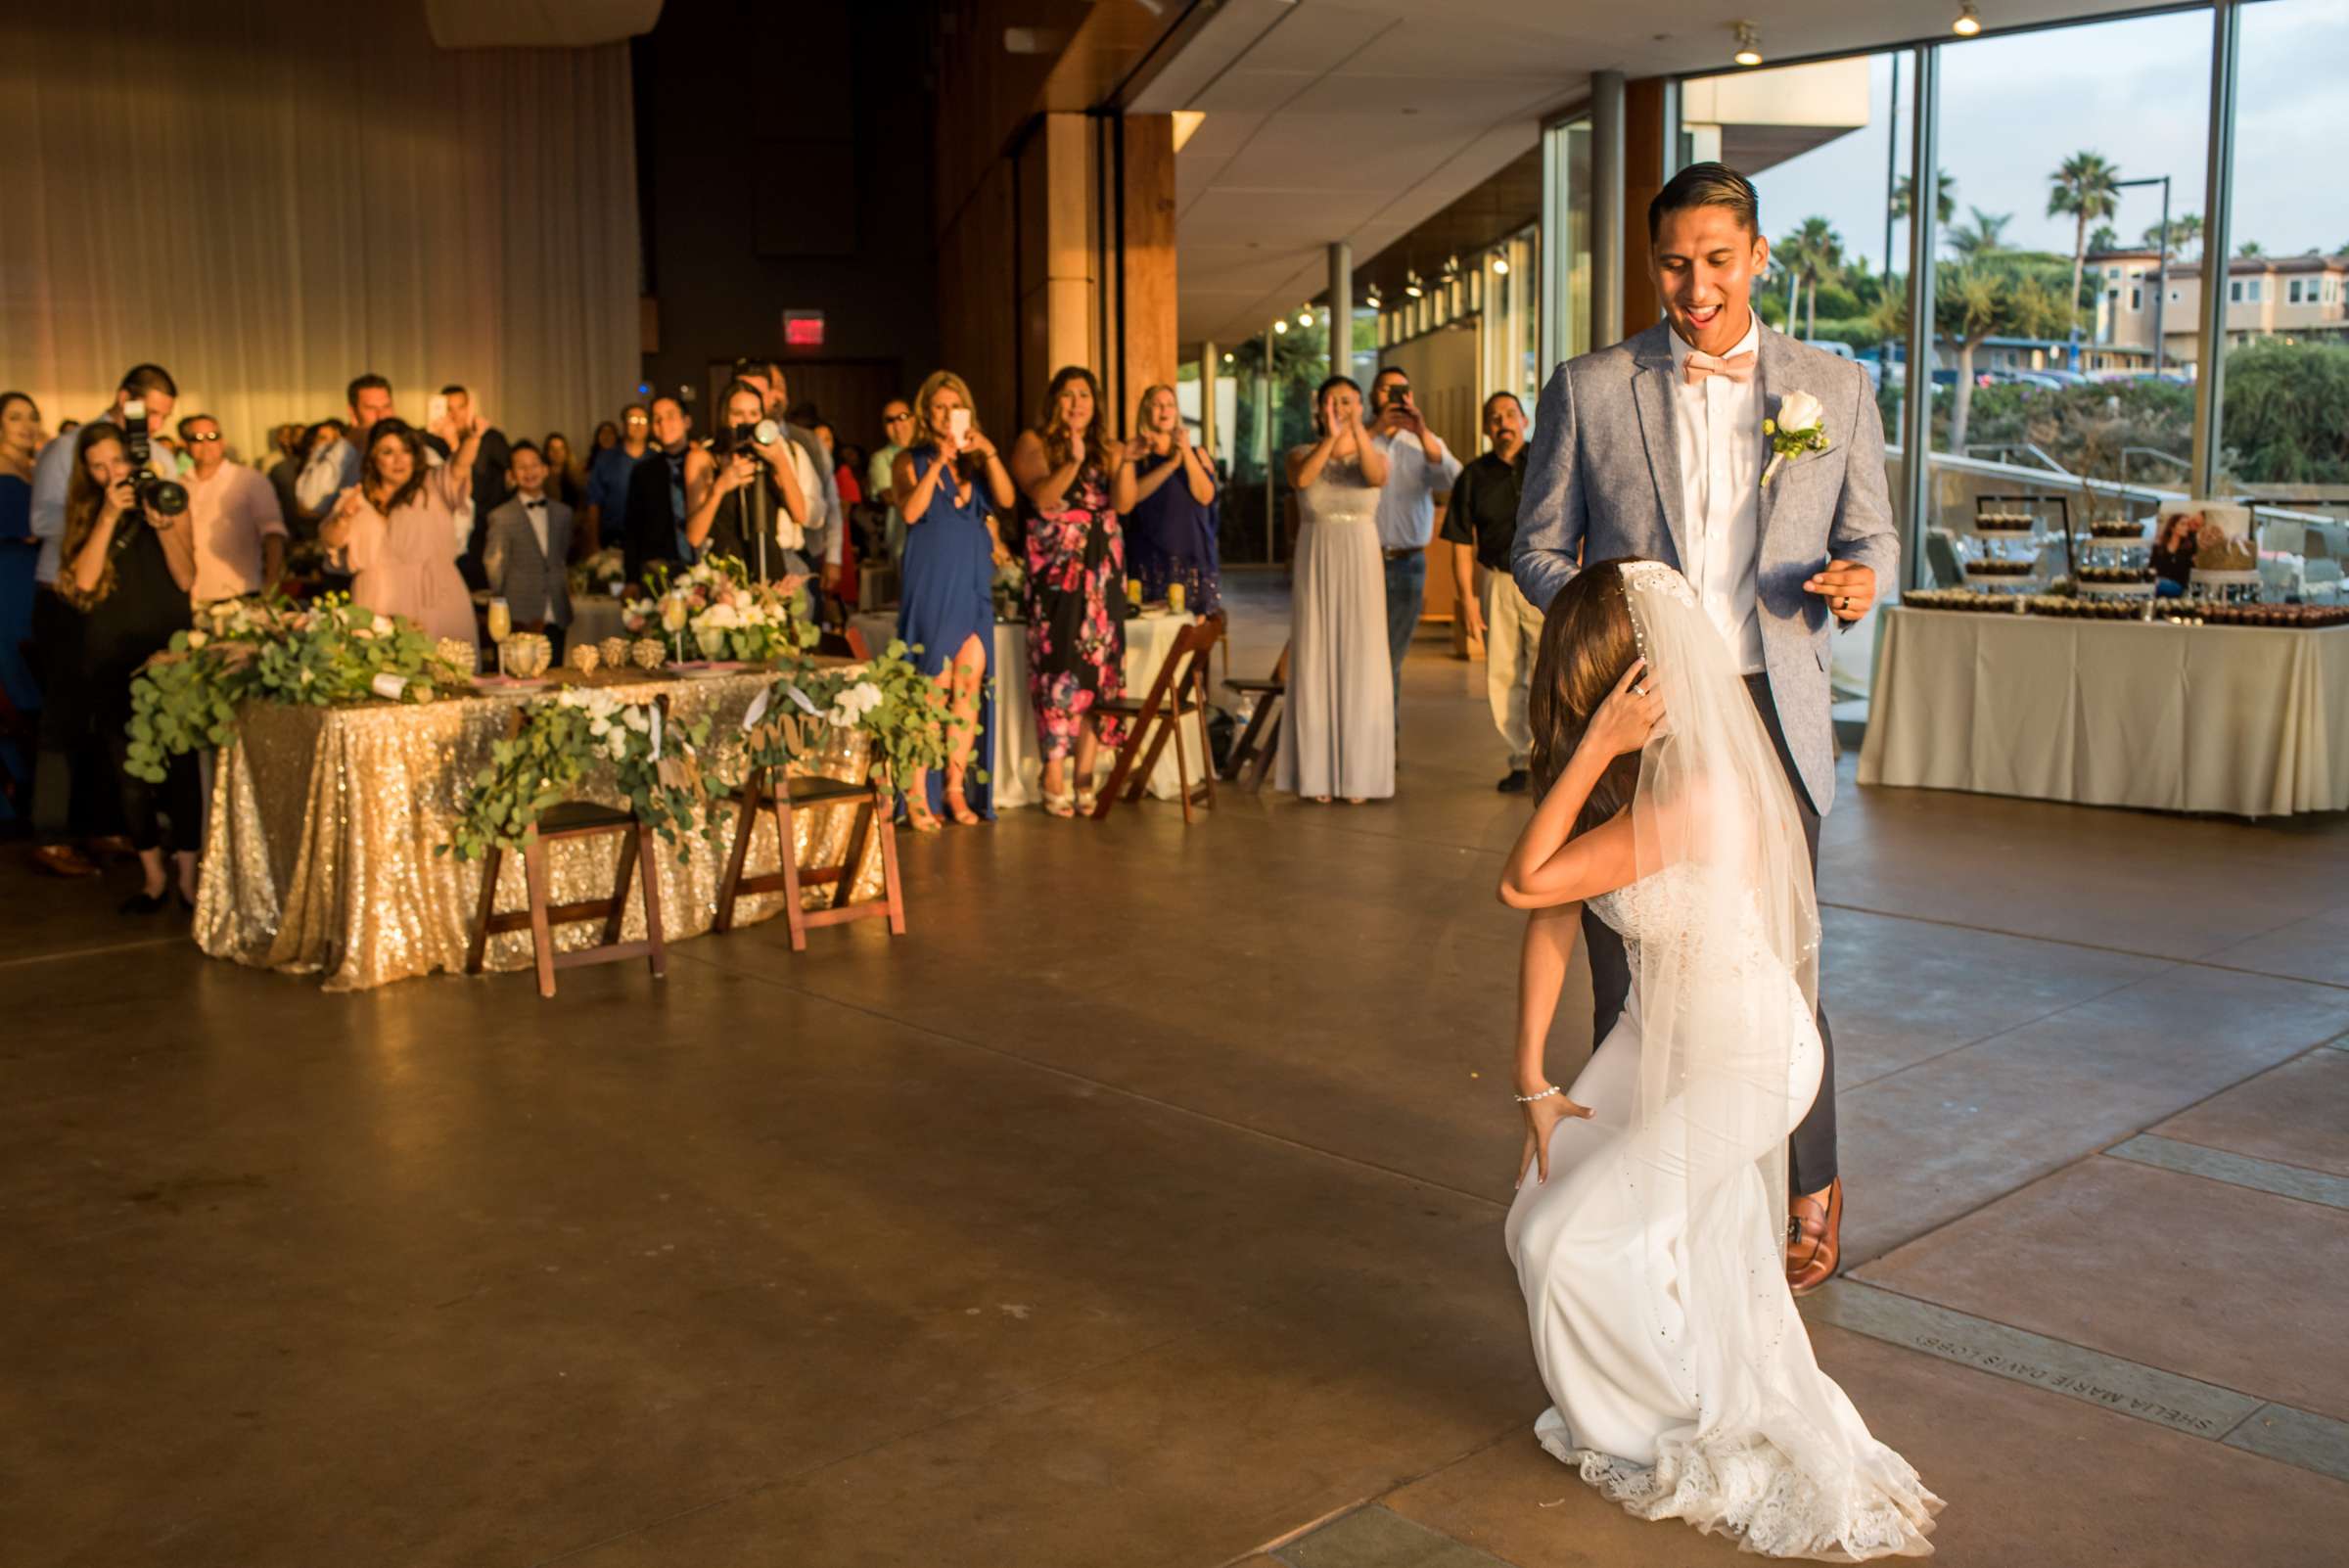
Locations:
1482 522
652 526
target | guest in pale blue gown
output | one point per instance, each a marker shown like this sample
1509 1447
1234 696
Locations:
948 484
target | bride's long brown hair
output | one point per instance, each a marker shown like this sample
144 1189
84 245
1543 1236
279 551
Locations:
1587 644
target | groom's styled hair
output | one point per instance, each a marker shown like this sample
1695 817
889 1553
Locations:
1706 185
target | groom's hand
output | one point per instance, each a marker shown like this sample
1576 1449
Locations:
1848 587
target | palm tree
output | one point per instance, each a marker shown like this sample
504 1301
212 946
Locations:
1945 197
2185 230
2250 247
2085 189
1984 238
1812 253
2107 239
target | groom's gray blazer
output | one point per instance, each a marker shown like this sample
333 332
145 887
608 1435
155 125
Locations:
1603 481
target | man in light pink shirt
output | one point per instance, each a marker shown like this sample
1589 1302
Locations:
240 534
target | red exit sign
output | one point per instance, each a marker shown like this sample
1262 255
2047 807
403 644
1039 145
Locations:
804 329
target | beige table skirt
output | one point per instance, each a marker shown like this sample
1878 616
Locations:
325 822
2244 720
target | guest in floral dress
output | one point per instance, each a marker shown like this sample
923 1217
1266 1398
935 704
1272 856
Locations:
1074 482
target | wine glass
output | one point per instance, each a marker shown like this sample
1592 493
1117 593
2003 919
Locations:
501 627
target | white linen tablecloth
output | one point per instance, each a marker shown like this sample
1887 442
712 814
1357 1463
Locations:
2244 720
1018 769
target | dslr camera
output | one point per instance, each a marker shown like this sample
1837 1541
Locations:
167 497
748 437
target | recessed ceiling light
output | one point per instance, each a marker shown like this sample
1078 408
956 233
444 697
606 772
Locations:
1749 45
1969 21
1280 326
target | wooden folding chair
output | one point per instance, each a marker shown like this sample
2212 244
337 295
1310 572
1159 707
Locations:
1259 741
1178 692
874 811
576 819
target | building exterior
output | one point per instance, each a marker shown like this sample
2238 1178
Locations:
2267 296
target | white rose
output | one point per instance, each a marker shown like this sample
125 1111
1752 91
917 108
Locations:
599 726
636 720
617 744
1800 411
197 639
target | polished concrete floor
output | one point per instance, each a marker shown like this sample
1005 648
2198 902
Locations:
1142 1207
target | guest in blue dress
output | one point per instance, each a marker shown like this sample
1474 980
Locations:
19 553
948 484
1171 532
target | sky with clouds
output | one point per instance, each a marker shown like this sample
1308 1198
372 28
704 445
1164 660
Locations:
2136 91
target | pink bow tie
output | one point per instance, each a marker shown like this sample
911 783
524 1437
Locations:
1736 367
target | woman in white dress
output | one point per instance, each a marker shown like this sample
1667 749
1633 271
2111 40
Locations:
1337 736
1647 1228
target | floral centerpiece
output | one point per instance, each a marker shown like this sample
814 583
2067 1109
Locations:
656 763
1010 589
329 653
600 574
715 609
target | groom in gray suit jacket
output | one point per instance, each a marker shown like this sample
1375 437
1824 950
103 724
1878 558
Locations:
1656 449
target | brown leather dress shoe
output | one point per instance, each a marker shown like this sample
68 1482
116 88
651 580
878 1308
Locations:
63 860
1815 1238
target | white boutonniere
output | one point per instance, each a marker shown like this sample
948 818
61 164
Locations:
1801 427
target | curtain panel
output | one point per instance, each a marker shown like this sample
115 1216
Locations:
269 198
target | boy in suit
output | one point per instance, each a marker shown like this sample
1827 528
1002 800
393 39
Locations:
527 551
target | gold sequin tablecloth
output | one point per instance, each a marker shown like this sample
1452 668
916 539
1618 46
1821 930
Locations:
325 822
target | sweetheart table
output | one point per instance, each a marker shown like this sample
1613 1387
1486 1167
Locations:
321 848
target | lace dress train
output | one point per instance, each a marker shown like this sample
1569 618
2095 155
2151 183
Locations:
1673 1395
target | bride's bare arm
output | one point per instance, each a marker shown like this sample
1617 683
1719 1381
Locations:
1551 864
1541 963
1541 976
1582 868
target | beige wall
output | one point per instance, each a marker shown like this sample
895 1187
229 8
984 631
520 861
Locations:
2273 313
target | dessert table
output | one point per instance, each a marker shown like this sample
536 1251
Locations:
2244 720
325 822
1019 766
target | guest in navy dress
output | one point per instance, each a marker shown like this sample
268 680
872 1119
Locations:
20 552
948 484
1170 531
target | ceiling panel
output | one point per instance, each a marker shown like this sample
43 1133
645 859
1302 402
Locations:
1303 91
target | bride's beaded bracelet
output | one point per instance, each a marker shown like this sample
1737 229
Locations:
1528 1099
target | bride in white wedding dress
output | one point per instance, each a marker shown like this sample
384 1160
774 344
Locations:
1647 1228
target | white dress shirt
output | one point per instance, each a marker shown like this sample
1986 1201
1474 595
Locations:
1717 436
1406 502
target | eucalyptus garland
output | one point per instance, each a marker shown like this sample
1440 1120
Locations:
329 653
656 762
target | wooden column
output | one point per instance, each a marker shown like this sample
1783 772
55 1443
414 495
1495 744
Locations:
1057 184
1145 308
1643 157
